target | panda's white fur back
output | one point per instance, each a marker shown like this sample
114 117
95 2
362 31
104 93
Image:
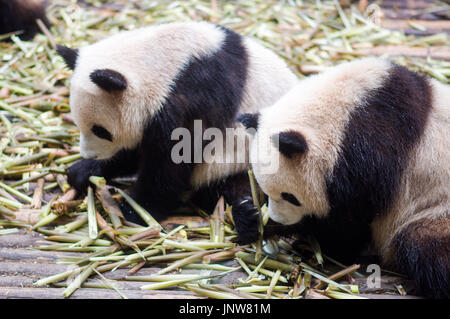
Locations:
426 182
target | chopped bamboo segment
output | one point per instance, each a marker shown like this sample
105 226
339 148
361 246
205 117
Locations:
92 218
141 211
78 281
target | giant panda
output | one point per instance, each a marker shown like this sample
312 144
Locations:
130 91
21 15
362 154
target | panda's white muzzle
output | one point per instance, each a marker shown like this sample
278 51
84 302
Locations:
93 148
283 213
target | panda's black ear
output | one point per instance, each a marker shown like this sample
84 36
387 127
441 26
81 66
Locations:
109 80
290 143
69 55
249 120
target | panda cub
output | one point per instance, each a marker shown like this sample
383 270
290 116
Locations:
21 15
131 91
362 152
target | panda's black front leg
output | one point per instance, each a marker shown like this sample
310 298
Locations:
157 190
151 203
78 174
237 192
122 164
422 252
246 219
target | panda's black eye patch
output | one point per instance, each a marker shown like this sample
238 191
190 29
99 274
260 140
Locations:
290 198
101 132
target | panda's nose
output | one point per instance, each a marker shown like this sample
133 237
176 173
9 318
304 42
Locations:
88 155
91 157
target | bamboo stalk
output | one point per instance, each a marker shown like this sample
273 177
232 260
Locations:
110 206
175 282
273 282
16 193
338 275
36 201
58 277
212 293
138 208
269 263
182 262
78 281
92 220
77 223
221 256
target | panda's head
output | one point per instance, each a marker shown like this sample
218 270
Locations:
102 103
282 157
289 154
119 83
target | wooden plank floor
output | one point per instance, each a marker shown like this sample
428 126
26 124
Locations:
21 266
403 15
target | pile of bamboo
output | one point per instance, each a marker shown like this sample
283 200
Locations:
38 141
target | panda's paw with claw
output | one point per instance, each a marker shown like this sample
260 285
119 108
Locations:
78 174
246 219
